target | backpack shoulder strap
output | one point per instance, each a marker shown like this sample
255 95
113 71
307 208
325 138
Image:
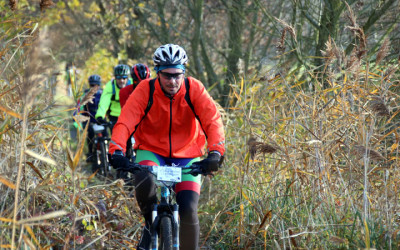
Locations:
113 90
150 101
151 92
113 86
187 97
189 102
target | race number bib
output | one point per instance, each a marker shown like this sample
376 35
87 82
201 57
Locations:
173 174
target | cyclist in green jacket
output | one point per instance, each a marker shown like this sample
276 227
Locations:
109 101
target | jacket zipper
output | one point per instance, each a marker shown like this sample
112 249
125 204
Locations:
170 127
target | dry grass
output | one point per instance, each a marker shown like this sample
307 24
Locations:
304 169
320 168
47 198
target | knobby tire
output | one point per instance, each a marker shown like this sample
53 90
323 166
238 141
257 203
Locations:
103 159
97 161
166 233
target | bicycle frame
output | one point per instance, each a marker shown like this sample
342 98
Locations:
101 147
166 207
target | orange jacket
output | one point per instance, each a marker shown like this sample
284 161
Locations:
170 128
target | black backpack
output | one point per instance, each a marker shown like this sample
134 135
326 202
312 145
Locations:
187 98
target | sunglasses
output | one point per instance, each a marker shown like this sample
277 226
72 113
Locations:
170 76
121 77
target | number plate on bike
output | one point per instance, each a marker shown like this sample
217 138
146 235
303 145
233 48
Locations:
173 174
97 128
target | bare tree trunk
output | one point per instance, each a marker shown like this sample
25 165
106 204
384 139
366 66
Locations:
164 32
196 10
375 15
115 33
235 15
135 44
211 75
250 42
328 27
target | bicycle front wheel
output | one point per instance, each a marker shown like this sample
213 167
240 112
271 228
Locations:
166 233
103 159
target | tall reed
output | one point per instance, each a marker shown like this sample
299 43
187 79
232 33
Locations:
320 164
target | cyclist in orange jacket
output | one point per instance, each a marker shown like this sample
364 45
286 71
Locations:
172 131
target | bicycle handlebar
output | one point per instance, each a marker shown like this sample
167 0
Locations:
195 169
105 124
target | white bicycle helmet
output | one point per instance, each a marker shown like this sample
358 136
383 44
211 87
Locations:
170 54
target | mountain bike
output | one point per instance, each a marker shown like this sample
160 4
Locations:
165 218
101 149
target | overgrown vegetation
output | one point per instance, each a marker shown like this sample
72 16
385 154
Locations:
311 162
320 169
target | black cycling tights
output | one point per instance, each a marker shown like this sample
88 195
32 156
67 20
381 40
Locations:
189 222
187 201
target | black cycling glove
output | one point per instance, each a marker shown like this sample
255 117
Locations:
212 162
119 161
101 120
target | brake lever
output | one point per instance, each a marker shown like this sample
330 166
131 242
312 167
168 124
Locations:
196 172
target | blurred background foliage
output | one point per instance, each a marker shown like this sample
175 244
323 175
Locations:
309 92
224 39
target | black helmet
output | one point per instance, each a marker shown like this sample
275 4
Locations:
121 70
170 54
140 72
94 80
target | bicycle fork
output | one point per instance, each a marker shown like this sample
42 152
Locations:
153 229
175 227
164 206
